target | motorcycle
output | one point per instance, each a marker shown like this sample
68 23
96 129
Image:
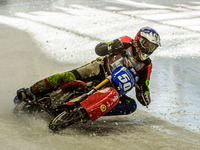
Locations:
78 102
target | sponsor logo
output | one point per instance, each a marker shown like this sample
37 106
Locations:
115 99
103 107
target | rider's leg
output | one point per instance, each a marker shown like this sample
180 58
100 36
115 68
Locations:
125 106
91 71
52 82
87 72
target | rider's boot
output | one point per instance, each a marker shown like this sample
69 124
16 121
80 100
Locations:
25 94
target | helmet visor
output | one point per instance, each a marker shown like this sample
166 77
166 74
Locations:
147 46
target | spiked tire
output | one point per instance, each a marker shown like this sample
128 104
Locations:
68 118
24 107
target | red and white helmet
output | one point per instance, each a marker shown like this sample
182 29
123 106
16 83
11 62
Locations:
146 42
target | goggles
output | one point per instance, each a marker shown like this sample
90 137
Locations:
147 47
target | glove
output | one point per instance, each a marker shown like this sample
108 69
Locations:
143 96
147 98
115 47
25 93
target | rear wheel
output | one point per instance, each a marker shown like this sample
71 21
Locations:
68 118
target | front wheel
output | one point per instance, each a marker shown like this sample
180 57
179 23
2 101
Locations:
68 118
25 107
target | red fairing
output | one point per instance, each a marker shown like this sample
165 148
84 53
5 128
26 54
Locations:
100 102
73 84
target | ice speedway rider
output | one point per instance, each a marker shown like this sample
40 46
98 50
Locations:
138 50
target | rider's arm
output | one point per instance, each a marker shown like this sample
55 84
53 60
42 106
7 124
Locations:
114 47
109 48
142 91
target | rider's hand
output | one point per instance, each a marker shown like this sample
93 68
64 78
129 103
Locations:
115 47
25 93
147 97
143 96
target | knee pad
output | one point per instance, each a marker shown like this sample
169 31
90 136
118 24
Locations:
131 106
124 107
60 79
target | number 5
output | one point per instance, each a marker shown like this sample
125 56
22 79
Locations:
124 78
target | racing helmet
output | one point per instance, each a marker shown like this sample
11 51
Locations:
146 42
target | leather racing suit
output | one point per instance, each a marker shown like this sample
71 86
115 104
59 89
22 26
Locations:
99 68
143 68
